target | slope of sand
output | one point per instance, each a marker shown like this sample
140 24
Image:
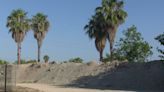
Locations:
113 76
49 88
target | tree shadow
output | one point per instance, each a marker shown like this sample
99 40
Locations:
127 76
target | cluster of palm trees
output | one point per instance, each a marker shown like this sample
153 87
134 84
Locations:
102 26
104 23
19 25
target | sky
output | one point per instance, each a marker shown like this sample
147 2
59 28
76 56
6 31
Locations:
66 37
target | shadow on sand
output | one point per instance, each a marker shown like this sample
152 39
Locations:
127 76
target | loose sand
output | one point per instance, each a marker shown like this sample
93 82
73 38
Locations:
77 77
113 76
49 88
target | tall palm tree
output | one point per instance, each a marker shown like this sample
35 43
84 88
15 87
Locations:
100 45
94 29
114 16
18 25
40 26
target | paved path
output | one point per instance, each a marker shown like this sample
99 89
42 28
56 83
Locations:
49 88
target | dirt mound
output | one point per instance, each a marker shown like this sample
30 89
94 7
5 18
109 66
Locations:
57 74
122 76
133 76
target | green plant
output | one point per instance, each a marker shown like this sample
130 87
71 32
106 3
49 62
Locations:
133 47
46 58
116 56
76 60
107 58
31 62
160 39
3 62
22 61
65 62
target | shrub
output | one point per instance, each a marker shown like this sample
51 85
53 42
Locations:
132 47
76 60
31 62
22 61
65 61
46 58
116 56
53 62
3 62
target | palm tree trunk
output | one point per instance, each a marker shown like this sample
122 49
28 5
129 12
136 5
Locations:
39 49
18 52
111 50
38 53
101 56
111 37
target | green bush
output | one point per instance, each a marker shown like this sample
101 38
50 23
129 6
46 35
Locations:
116 56
76 60
31 62
132 47
3 62
25 62
46 58
65 61
22 61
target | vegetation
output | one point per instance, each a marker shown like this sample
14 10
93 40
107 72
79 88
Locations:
104 24
64 62
132 47
3 62
95 31
18 25
40 26
102 27
116 56
31 62
76 60
26 62
160 39
22 61
46 58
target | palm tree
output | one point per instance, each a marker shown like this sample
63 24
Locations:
114 16
160 39
94 29
100 45
40 26
18 25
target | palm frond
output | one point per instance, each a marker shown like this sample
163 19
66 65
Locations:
18 24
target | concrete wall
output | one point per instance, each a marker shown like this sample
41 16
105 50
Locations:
10 77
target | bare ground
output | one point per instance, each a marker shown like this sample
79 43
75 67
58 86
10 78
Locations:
115 76
22 89
50 88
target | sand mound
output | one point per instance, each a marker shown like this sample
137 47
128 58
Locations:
122 76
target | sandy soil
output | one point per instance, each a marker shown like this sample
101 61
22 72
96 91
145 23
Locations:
76 77
20 89
23 89
49 88
112 76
